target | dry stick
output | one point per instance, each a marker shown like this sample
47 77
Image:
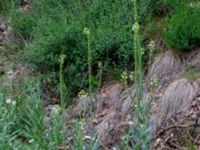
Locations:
175 145
174 126
166 147
196 140
170 142
190 136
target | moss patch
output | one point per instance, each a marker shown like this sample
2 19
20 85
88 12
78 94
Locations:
192 73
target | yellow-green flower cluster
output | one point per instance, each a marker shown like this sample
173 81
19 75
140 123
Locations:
55 111
124 78
62 58
82 94
136 26
152 45
154 81
86 31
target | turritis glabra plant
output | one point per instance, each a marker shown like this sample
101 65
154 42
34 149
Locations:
64 95
138 58
140 130
61 81
86 31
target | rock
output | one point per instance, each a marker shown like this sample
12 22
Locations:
1 38
100 100
110 129
192 58
111 111
176 100
164 67
105 128
194 117
197 113
194 103
3 26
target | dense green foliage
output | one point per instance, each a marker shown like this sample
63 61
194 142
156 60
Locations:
53 28
149 9
23 24
110 26
23 125
58 29
6 5
183 29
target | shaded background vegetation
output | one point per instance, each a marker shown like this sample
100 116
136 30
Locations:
51 28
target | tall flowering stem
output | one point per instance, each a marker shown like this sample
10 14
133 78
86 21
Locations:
141 129
138 51
61 88
86 31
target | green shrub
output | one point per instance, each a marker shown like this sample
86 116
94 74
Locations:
183 29
60 31
23 24
57 29
6 5
149 9
50 42
192 73
111 31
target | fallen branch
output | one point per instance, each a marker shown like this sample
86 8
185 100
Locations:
175 145
196 140
172 127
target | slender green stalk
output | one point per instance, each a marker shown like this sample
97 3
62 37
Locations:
141 132
138 59
100 74
87 33
61 88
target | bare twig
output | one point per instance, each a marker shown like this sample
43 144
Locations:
190 136
196 140
174 126
175 145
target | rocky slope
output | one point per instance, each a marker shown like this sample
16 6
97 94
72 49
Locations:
175 105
